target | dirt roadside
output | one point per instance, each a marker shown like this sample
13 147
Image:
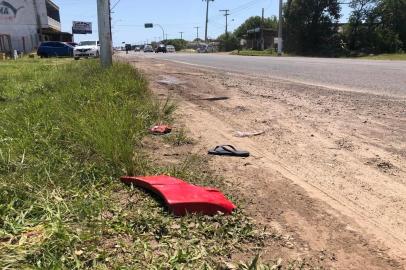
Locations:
329 172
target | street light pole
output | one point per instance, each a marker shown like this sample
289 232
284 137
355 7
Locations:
280 33
163 31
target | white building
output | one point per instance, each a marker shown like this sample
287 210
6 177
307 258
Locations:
25 23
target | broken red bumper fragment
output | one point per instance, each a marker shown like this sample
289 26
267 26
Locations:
160 130
183 198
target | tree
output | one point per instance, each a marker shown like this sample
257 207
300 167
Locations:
377 26
228 42
312 27
359 30
391 15
255 22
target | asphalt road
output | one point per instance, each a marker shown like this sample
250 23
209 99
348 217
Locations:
372 76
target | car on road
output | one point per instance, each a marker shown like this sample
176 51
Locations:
137 49
87 49
206 49
170 48
54 49
161 48
148 48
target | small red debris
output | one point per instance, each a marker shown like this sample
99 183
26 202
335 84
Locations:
183 198
160 129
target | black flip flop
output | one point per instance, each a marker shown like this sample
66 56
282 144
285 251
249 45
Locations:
228 150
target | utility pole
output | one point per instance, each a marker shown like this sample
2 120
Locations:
262 30
226 14
207 19
103 14
181 35
197 33
280 37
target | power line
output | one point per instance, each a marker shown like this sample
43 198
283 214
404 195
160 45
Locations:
114 5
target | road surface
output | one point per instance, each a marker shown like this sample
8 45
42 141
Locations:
372 76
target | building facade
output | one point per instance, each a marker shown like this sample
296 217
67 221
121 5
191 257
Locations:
28 22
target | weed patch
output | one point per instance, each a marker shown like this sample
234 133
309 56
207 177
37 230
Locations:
68 130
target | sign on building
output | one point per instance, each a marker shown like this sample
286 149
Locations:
82 28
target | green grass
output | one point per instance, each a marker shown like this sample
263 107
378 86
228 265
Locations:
68 130
255 53
394 56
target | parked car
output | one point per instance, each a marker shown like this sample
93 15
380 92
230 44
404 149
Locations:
137 49
161 48
148 48
73 44
170 48
206 49
87 49
54 49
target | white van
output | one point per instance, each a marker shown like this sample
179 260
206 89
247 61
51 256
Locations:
170 49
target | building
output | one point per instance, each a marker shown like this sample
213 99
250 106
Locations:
28 22
254 38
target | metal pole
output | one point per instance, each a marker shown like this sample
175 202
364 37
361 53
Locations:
181 35
163 31
280 37
103 13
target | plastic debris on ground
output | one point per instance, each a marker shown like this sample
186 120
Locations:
183 198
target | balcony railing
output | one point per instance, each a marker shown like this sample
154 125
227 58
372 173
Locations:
54 24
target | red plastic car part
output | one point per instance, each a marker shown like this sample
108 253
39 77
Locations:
183 198
160 129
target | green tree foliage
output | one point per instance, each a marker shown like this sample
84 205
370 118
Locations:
312 27
179 44
377 26
228 42
254 22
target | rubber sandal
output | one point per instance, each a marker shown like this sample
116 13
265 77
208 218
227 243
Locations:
228 150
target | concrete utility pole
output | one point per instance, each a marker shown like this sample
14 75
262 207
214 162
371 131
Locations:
197 35
280 37
226 14
262 30
181 35
207 19
103 13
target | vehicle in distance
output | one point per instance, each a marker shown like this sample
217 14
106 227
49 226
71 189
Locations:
161 48
206 49
87 49
170 48
137 49
54 49
148 48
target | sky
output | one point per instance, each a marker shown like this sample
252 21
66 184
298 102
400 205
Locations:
174 16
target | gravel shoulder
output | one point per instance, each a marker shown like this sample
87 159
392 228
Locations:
329 172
